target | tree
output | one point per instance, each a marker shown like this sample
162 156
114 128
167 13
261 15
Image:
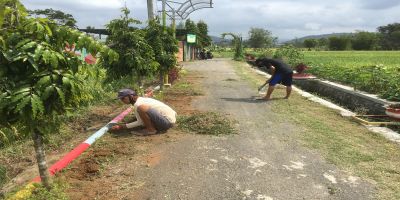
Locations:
204 38
390 36
323 43
11 13
43 80
365 41
310 43
289 54
61 18
90 27
237 40
296 43
191 27
163 44
261 38
339 43
180 25
136 55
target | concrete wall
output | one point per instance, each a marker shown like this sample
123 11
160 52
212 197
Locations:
342 95
186 52
189 52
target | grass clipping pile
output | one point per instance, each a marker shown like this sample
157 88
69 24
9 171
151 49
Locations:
207 123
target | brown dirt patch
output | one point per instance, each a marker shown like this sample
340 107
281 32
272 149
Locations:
20 161
153 159
107 171
181 100
88 167
179 104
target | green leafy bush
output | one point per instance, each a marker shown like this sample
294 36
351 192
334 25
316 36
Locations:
289 54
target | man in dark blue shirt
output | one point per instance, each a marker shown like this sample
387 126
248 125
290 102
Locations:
281 73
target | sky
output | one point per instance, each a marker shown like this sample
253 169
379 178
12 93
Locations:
286 19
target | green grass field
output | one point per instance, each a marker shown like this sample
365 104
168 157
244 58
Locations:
376 72
353 58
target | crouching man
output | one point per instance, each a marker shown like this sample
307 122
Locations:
154 115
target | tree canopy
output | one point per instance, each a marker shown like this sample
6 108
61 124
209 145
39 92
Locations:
136 56
40 79
61 18
204 38
390 36
261 38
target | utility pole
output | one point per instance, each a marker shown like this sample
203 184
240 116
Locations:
150 9
164 15
173 24
164 77
185 8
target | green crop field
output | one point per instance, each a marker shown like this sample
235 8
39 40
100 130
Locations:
353 58
371 71
376 72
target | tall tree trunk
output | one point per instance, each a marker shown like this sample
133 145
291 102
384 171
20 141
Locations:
41 158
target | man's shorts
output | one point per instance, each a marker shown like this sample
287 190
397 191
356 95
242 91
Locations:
284 79
160 122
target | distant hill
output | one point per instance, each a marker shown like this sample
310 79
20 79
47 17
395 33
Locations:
219 41
318 37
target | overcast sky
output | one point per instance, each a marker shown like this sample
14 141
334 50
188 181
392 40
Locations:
286 19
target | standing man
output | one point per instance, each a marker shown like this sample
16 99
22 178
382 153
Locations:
281 73
154 115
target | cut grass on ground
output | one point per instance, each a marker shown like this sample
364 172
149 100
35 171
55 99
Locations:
342 142
207 123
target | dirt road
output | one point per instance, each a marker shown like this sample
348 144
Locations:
263 161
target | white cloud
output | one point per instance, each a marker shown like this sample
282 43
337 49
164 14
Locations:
76 4
285 18
99 4
379 5
312 26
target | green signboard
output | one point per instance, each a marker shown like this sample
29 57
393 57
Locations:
191 38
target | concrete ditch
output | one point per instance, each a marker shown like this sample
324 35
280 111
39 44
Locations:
346 96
